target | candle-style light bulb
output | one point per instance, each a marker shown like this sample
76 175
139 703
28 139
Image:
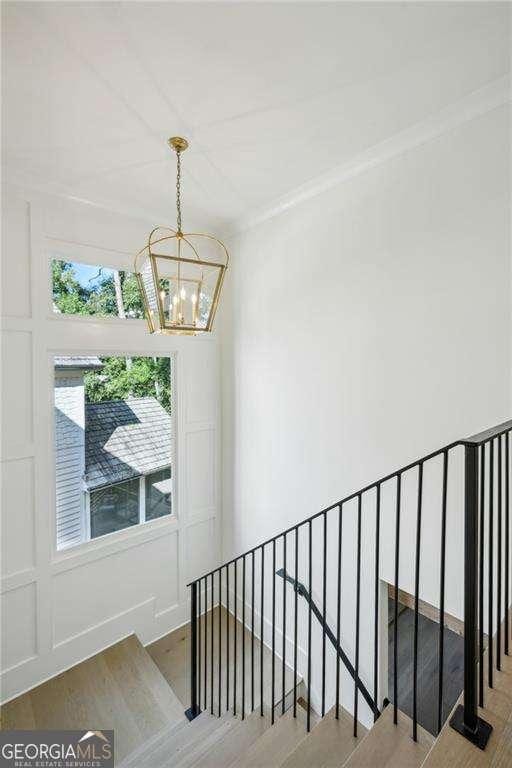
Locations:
193 298
175 299
183 293
162 295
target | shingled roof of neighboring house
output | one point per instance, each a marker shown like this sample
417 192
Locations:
125 439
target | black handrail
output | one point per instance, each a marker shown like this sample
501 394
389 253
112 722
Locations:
466 718
303 592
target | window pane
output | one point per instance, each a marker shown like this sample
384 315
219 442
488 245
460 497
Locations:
85 289
158 494
114 508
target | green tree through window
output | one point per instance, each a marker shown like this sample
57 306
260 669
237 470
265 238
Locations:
122 377
79 289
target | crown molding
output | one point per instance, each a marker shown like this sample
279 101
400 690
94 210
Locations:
493 95
29 187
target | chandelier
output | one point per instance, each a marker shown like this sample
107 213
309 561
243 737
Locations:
180 274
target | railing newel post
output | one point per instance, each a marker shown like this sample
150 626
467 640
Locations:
465 719
193 711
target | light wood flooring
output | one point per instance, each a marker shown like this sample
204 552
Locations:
120 688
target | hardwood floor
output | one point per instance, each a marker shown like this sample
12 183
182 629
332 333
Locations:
428 660
120 688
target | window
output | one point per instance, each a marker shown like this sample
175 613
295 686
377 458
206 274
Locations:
113 444
158 494
84 289
114 507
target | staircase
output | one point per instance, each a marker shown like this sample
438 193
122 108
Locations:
289 589
255 704
230 742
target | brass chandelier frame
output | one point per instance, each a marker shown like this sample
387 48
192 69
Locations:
156 237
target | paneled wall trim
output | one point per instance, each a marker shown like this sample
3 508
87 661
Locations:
60 607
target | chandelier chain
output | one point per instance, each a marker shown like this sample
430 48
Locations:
178 190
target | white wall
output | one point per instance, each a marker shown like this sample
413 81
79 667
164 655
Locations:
60 607
363 329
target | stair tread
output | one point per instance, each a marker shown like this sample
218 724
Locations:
391 746
234 742
181 743
272 748
131 651
328 745
454 750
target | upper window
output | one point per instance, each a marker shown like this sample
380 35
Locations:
82 289
113 444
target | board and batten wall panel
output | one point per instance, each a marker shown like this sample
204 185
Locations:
59 607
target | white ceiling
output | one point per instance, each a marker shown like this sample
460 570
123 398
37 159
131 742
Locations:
269 95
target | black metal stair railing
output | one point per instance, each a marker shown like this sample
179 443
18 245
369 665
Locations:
486 534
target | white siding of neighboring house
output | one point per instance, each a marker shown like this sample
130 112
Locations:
69 458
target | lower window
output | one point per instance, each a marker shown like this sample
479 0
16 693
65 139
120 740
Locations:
114 508
113 444
158 494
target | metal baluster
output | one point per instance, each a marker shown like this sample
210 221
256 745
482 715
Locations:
358 610
498 595
338 610
441 595
220 640
199 649
395 626
235 636
283 668
324 601
491 565
262 626
295 622
376 601
273 628
205 642
310 555
211 651
481 580
507 542
228 620
416 606
252 630
193 710
243 638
